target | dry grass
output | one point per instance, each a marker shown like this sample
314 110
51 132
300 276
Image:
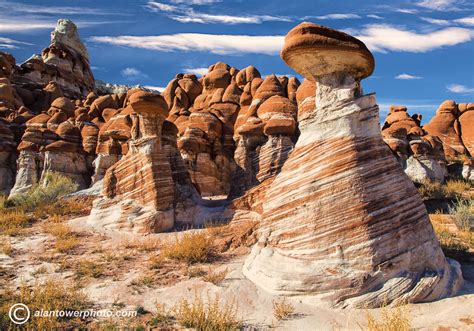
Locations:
162 317
454 188
66 245
13 221
190 248
215 277
451 189
391 319
59 230
156 262
52 295
463 213
193 272
209 315
142 245
143 281
86 268
454 245
6 247
282 310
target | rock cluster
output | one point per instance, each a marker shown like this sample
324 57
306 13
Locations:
341 220
420 154
64 62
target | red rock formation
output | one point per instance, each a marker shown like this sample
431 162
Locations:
65 62
141 183
445 126
420 155
341 220
264 131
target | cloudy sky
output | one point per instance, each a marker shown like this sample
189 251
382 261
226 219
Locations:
424 49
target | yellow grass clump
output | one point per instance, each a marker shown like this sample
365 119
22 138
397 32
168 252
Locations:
282 310
50 296
391 319
215 277
210 315
190 248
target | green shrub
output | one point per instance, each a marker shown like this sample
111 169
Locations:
463 213
52 187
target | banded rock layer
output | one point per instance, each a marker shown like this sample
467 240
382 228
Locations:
341 220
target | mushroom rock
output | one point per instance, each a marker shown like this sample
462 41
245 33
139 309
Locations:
31 156
445 126
67 156
466 121
341 220
420 155
140 185
264 133
112 142
205 115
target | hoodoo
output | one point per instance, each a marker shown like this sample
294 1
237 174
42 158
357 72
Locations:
342 220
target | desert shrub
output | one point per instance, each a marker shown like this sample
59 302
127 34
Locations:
209 315
391 319
452 244
456 187
142 245
162 317
58 230
282 310
13 221
156 262
215 277
86 268
432 190
3 201
190 248
77 206
52 187
52 295
463 213
66 245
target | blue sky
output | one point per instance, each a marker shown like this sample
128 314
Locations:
424 49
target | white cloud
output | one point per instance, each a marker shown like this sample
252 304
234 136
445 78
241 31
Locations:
384 38
406 11
197 42
13 25
133 73
465 20
196 2
16 7
377 17
196 71
158 6
186 14
458 88
379 38
8 43
407 77
155 88
441 5
435 21
334 17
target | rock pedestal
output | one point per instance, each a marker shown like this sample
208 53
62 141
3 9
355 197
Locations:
341 220
140 186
